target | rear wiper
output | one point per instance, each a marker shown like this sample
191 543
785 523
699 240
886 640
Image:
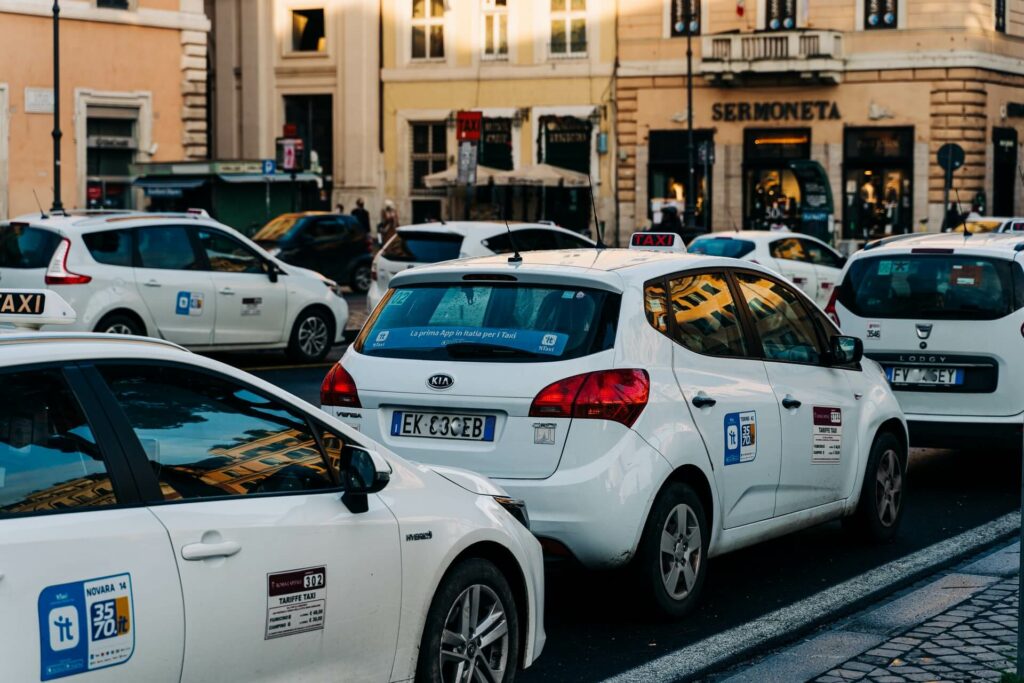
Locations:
467 349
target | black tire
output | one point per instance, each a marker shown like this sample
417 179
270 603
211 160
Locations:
493 590
120 323
870 521
655 567
359 280
312 336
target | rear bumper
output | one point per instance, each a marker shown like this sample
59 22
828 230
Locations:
930 431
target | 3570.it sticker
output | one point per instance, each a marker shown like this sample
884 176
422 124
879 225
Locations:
740 437
85 625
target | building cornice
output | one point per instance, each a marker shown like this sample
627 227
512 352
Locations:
82 10
496 72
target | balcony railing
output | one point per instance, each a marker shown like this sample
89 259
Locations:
811 54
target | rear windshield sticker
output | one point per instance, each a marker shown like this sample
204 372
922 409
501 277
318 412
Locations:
400 297
966 275
885 268
296 601
189 303
827 438
740 437
85 625
534 341
874 330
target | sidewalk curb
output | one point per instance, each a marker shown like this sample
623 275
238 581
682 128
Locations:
728 648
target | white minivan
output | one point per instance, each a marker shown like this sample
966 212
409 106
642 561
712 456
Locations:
943 314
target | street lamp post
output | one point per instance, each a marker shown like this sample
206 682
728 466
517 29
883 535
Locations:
57 207
689 209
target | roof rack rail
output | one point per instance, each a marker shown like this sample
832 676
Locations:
888 240
16 336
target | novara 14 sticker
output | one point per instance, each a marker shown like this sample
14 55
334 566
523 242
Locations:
85 625
827 439
296 601
189 303
740 437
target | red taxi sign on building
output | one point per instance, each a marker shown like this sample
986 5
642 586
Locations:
468 125
657 241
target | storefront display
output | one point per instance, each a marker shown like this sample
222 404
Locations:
771 196
878 177
667 174
566 142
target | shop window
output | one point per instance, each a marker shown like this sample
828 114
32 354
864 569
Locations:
308 30
496 29
877 183
566 142
114 4
568 28
428 29
772 196
111 148
313 118
684 17
880 14
667 179
780 15
429 152
1000 15
496 144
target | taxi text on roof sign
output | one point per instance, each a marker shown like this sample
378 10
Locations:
657 241
33 308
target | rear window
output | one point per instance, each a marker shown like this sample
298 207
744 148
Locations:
112 247
978 226
492 323
277 228
933 286
24 247
722 246
422 247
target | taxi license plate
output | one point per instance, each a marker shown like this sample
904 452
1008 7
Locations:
443 426
925 376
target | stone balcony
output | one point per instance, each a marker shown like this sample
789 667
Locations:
807 55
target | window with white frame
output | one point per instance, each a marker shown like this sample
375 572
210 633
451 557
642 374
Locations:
880 14
496 29
428 29
568 28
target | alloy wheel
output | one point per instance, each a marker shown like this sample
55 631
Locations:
312 336
475 641
681 551
119 328
362 278
888 488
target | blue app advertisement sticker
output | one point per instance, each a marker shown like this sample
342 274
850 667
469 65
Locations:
189 303
740 437
85 625
533 341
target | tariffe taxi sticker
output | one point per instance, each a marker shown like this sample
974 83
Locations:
296 601
827 438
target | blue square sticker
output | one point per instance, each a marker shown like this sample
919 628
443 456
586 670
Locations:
740 437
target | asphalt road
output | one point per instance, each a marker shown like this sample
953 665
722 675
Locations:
594 627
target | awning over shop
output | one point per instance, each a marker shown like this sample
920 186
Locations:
276 178
450 176
167 186
542 175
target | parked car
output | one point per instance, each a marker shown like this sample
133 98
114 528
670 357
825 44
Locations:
417 245
806 261
335 245
990 224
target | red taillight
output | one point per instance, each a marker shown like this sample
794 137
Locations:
57 272
830 310
373 271
369 244
617 395
339 389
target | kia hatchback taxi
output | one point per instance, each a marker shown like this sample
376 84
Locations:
943 315
165 517
648 407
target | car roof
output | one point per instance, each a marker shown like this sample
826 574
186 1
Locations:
757 235
993 243
21 347
464 228
90 221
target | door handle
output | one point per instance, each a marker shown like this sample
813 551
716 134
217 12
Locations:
227 291
204 551
799 281
790 403
153 283
702 400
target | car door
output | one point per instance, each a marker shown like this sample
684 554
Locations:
820 415
172 282
727 392
251 306
281 581
828 266
790 255
87 578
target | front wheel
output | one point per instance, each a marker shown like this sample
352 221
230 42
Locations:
880 509
472 628
672 558
311 336
119 323
360 279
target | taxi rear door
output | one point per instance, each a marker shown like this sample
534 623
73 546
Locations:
87 581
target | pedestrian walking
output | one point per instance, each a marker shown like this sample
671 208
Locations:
388 221
362 215
340 208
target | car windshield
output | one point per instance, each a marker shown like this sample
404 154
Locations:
721 246
423 247
277 228
491 322
25 247
933 286
979 226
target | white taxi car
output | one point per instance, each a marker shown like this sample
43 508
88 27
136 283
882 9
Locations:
806 261
659 407
418 245
944 315
164 517
181 277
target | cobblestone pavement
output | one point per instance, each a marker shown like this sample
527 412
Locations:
974 641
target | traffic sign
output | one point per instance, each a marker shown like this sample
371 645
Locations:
269 167
951 156
468 125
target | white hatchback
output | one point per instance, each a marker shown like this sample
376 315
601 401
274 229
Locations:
166 518
944 315
417 245
806 261
653 407
181 277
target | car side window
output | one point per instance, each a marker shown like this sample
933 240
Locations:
205 436
324 227
789 249
228 255
534 240
656 306
49 458
167 247
820 255
784 325
110 247
705 315
565 241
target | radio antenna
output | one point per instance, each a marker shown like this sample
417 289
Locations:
597 223
960 212
514 258
42 214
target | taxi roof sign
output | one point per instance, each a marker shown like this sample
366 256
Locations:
30 309
657 241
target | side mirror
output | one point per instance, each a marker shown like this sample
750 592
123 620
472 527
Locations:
846 350
271 269
362 472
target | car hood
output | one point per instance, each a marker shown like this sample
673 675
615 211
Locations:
471 481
